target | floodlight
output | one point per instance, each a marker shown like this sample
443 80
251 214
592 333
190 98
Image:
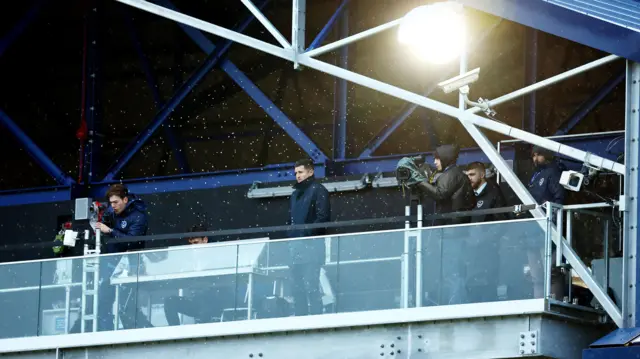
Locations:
459 82
435 33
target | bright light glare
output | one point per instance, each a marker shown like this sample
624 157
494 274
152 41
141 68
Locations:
434 33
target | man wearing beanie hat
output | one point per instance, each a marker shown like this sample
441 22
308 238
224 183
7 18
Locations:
544 186
545 182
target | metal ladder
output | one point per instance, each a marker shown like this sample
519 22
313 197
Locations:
90 284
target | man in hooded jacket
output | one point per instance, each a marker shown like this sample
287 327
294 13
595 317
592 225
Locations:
451 191
443 251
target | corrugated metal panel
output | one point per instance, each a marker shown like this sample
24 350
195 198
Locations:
624 13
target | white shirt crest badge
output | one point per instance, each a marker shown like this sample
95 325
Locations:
480 203
541 182
123 224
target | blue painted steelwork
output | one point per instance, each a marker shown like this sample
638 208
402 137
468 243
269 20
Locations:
341 94
15 32
632 352
590 104
396 122
621 336
565 23
625 13
255 93
211 61
35 196
35 152
174 142
283 172
531 76
326 30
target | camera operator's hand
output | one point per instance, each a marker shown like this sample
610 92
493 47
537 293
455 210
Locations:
104 228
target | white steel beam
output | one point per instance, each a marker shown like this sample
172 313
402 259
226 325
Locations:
266 23
298 29
547 82
286 54
353 38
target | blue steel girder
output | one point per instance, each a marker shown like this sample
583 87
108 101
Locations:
268 174
565 23
531 77
590 104
396 122
341 94
281 173
326 30
24 22
34 151
255 93
176 145
211 61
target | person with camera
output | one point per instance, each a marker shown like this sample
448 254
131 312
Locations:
444 251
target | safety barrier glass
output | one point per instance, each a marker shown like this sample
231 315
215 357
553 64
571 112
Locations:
255 279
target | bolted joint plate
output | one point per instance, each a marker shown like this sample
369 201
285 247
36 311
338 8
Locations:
528 343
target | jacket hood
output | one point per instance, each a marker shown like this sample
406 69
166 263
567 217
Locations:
448 155
135 204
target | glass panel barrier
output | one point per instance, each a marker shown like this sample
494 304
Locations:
482 262
60 296
595 237
185 285
368 271
19 299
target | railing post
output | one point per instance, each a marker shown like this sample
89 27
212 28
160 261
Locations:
568 236
419 259
547 252
559 230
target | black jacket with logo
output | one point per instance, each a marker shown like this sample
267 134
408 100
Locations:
490 197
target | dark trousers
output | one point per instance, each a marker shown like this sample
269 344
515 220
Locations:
306 288
175 305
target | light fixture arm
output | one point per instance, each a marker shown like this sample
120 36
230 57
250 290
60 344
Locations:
482 104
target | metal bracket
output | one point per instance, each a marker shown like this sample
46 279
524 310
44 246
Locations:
528 342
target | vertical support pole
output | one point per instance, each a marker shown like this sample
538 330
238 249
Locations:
631 210
560 230
298 29
419 293
606 257
340 97
404 295
569 236
531 76
547 252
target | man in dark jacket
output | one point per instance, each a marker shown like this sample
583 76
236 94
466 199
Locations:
488 194
127 217
443 252
544 186
309 205
483 254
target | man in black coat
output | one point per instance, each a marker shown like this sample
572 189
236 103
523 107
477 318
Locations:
309 205
483 253
451 190
443 251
